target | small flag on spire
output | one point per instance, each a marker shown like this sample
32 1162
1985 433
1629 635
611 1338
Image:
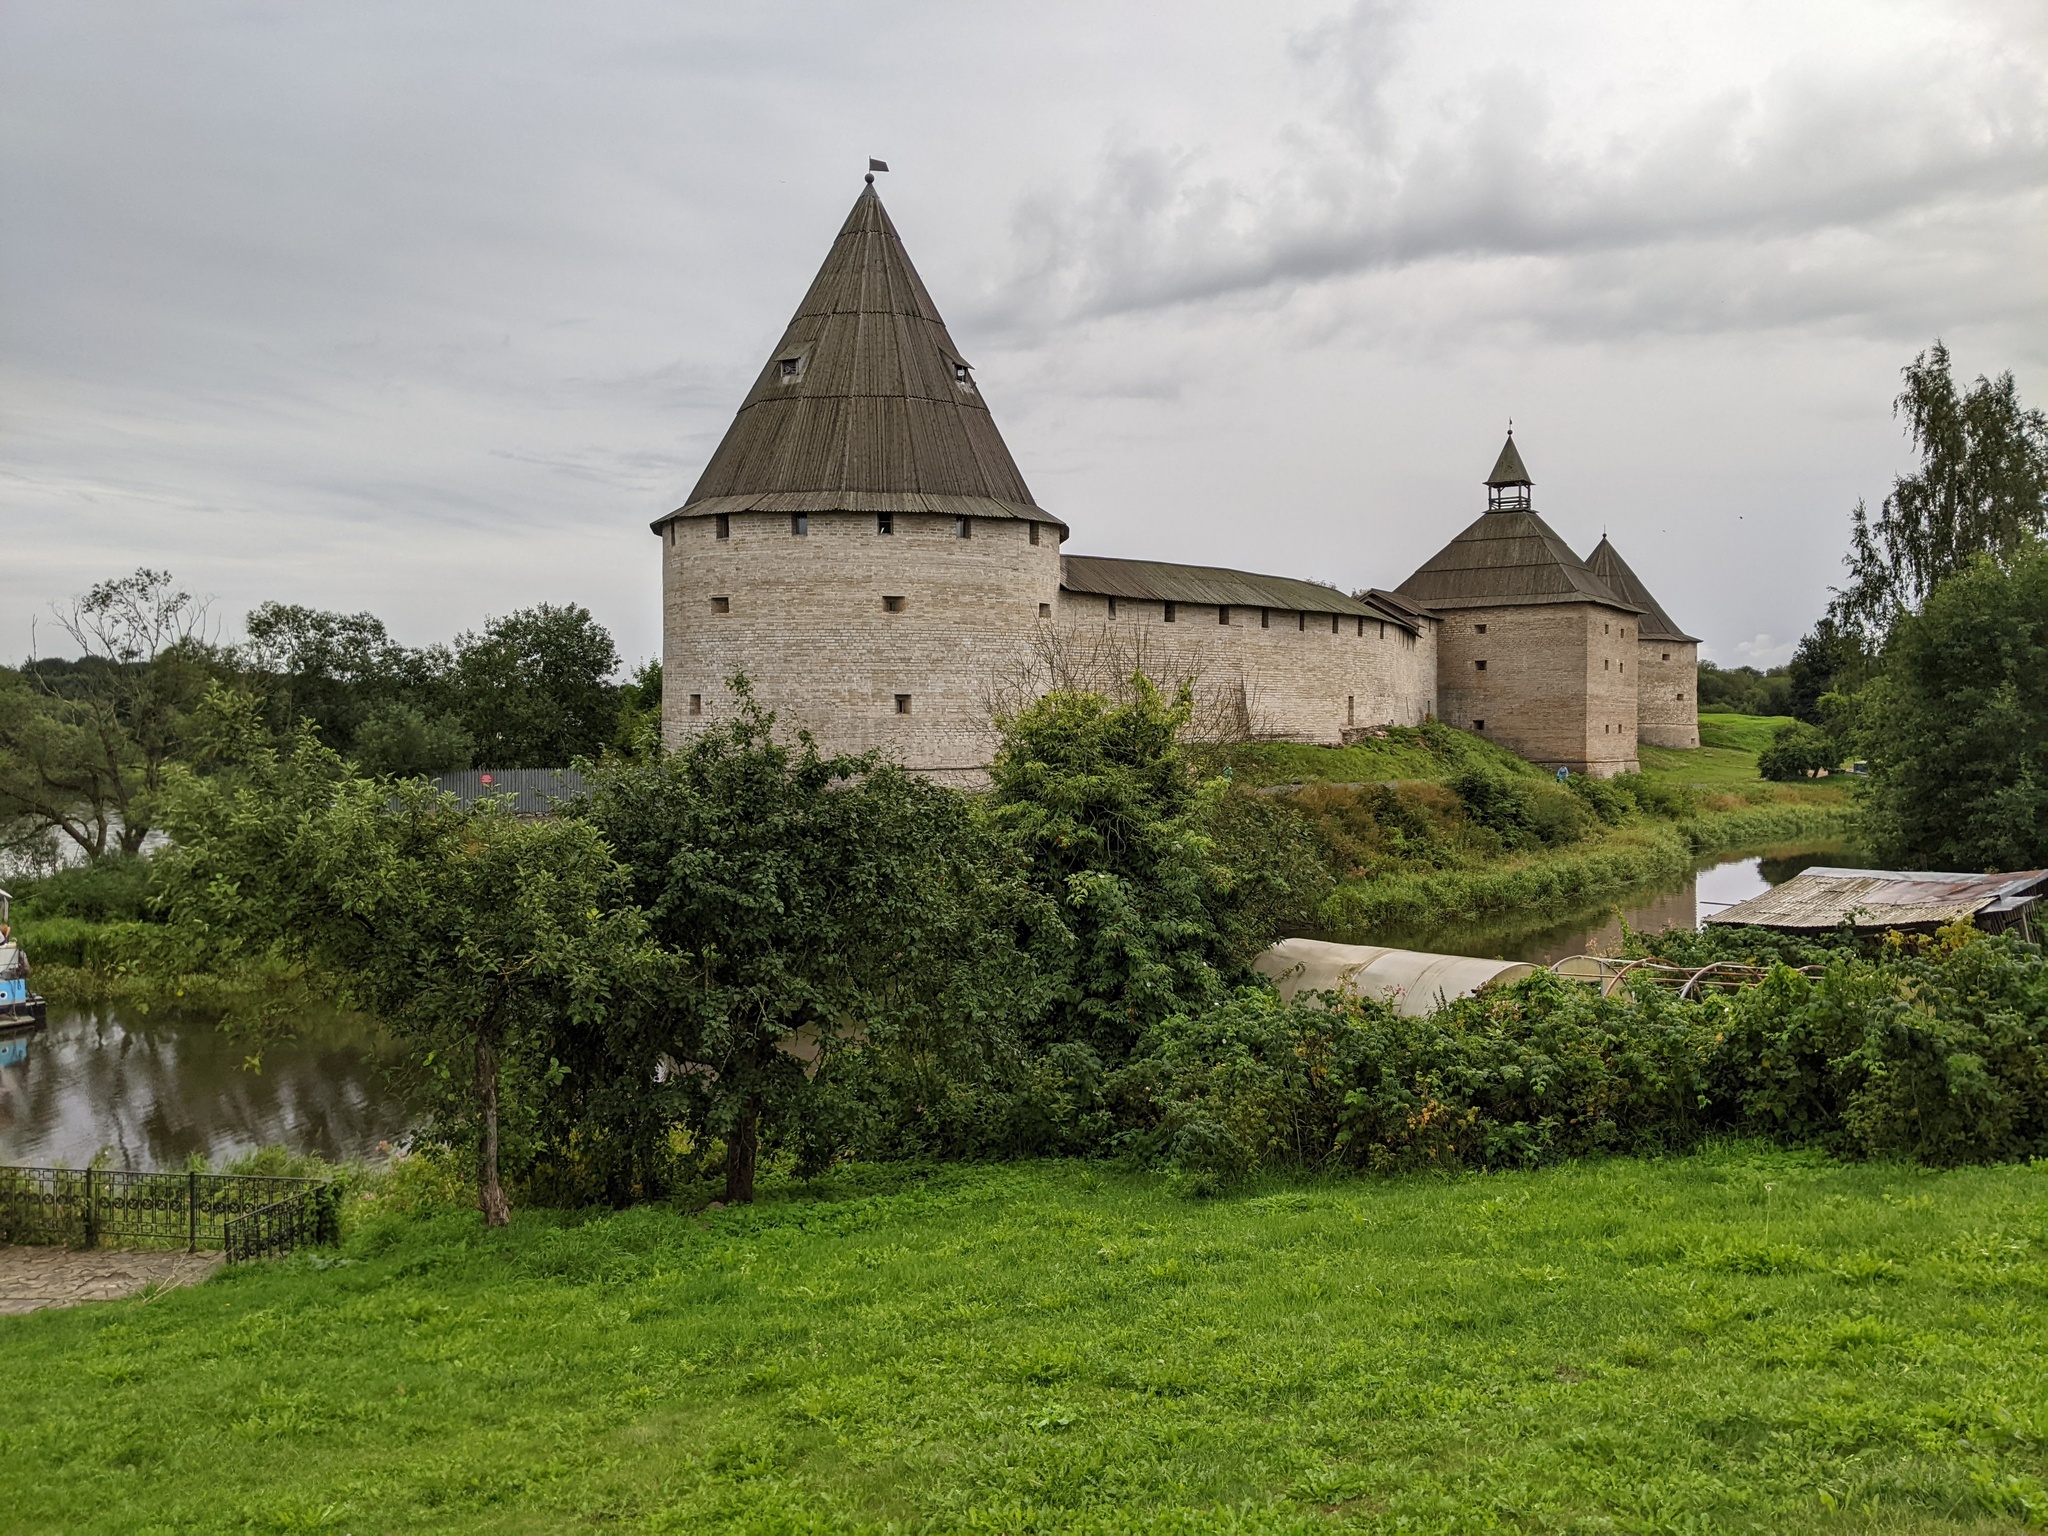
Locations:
878 165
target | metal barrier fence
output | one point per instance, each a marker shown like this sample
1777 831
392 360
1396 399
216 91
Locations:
247 1215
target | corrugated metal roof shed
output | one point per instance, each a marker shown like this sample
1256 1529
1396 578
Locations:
1818 900
1161 581
865 405
1606 563
534 791
1506 559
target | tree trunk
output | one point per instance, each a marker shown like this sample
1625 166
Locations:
490 1194
742 1149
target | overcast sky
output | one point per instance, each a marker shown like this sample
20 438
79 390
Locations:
429 307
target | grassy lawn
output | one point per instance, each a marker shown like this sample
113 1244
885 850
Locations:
1725 760
1737 1341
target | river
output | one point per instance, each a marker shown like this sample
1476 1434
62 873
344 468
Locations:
154 1091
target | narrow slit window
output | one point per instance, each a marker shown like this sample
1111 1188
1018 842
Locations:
1112 607
1222 613
1361 628
1333 623
892 605
1383 629
696 703
1607 665
671 532
963 527
885 523
1265 618
724 525
902 703
1301 622
799 523
1034 533
721 605
1168 614
1351 709
1045 610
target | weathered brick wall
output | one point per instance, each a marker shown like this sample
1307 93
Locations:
983 625
1271 673
806 620
1667 693
1557 686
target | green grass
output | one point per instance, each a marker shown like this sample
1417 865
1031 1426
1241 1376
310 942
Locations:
1737 1341
1405 752
1745 733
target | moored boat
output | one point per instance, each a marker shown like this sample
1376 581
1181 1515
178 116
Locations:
21 1009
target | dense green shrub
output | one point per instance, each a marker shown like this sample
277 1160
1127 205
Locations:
1798 751
114 889
1522 812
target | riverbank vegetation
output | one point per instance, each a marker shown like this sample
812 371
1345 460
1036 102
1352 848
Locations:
1740 1340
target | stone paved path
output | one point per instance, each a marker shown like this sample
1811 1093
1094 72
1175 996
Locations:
33 1278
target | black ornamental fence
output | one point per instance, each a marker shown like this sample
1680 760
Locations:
247 1216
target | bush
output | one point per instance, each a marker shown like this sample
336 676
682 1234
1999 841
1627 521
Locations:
1521 812
110 890
1798 751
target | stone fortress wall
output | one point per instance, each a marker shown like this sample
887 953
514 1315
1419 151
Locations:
866 639
1266 673
1548 681
1668 693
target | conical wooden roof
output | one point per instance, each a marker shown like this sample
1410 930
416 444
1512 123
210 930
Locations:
865 405
1509 469
1606 563
1505 559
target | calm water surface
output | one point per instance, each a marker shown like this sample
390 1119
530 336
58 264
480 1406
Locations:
153 1091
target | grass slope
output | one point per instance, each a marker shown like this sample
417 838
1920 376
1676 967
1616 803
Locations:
1730 1342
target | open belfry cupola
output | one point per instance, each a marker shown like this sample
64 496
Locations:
1508 487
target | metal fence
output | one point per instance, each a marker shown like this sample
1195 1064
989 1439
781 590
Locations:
247 1215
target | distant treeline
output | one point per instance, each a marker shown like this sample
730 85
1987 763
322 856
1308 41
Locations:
86 738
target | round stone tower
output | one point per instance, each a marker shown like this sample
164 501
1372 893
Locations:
861 545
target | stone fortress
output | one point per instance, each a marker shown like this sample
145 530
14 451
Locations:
862 546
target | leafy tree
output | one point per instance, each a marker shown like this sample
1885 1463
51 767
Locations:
84 744
331 668
533 689
398 740
1981 489
1831 657
1744 690
471 933
639 728
1958 723
807 904
1098 799
1798 751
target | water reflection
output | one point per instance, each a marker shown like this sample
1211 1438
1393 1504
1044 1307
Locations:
1597 930
155 1090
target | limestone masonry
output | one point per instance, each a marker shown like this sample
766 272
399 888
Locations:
863 548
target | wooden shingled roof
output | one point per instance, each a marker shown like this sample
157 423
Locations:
1507 559
1162 581
1606 563
866 405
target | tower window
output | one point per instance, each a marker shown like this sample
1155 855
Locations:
1265 619
786 369
696 703
1667 655
1301 622
1045 610
1607 665
724 525
963 527
961 374
1383 629
799 523
1478 725
721 605
671 531
1478 629
885 522
1168 615
1034 533
1222 613
1606 629
902 703
1361 627
1351 709
1112 607
1333 623
892 605
1479 666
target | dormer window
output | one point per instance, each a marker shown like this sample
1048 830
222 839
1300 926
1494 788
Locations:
960 375
785 367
